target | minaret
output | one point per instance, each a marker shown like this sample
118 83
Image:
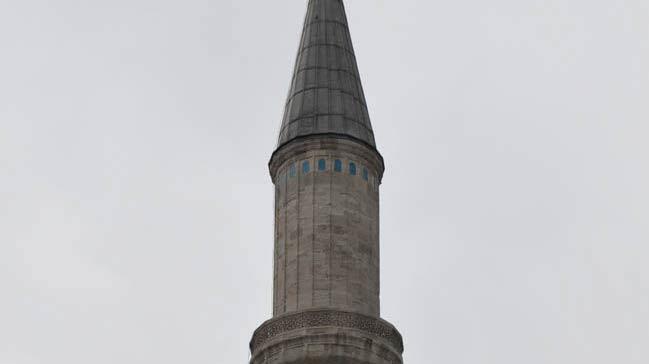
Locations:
326 171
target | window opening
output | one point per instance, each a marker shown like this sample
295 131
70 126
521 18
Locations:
352 168
338 165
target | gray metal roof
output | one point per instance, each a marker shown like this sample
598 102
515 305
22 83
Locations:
326 95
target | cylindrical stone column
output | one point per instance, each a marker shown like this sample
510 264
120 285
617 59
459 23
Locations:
326 260
326 226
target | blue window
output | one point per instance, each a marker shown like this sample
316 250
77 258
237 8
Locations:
306 167
291 170
352 168
338 165
322 165
366 175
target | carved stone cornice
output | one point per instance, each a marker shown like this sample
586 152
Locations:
329 141
278 326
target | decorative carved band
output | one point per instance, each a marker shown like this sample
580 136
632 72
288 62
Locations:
325 318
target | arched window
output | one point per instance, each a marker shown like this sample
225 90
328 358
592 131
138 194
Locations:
291 170
322 165
338 165
306 167
366 175
352 168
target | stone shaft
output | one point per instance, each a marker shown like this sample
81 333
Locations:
326 226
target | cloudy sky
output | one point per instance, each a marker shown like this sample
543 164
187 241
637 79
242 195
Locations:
136 206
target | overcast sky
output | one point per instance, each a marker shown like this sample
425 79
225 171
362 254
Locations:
136 209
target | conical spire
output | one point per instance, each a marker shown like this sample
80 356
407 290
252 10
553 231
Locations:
326 95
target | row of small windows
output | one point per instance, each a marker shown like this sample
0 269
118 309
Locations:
322 166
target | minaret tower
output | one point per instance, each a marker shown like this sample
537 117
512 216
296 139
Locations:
326 171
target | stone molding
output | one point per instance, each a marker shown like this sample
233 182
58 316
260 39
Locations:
280 325
333 142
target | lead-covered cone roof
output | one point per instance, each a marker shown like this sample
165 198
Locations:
326 95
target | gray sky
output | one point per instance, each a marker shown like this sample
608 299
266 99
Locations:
136 206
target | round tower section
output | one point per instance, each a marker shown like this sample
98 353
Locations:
327 172
326 225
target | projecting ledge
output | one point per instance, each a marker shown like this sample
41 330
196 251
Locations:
325 336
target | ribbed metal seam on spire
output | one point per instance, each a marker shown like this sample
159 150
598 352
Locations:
326 95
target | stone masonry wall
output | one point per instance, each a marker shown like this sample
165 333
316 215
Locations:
327 229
